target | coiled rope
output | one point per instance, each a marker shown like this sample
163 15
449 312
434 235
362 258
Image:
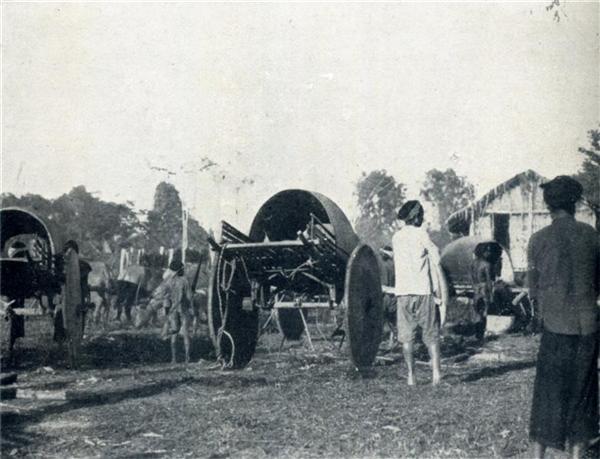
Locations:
223 310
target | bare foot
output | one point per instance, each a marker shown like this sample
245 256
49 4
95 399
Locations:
411 380
578 451
436 379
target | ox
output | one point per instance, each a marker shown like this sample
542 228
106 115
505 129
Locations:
158 297
135 285
100 283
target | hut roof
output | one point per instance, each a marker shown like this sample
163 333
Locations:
460 220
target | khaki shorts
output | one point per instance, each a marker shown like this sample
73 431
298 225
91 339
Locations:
418 311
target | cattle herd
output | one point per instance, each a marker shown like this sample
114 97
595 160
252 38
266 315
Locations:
125 298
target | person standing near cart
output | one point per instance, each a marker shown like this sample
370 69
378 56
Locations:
181 312
416 266
482 276
564 281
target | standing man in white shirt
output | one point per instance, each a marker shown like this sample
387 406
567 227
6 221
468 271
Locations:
416 265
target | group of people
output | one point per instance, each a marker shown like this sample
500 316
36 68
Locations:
564 285
173 294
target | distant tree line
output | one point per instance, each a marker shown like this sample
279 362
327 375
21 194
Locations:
379 196
589 173
103 227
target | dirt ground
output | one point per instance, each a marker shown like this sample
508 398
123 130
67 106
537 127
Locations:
125 401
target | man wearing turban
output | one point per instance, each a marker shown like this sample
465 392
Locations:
564 281
416 260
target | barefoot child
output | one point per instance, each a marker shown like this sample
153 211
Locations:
180 312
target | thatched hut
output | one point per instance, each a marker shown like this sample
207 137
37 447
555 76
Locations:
509 214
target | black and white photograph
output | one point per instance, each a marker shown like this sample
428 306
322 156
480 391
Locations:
262 229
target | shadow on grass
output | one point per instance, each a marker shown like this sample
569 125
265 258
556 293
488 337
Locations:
126 349
110 351
499 370
451 345
15 435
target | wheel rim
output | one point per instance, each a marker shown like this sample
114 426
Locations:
363 298
73 318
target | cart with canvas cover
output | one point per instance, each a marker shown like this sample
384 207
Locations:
33 270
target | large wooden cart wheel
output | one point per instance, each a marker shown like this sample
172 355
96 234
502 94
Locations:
72 306
363 298
233 330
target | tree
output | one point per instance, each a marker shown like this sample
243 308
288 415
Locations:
34 202
589 173
90 219
447 192
82 217
165 224
379 197
95 223
164 220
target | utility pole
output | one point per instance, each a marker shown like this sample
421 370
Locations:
184 230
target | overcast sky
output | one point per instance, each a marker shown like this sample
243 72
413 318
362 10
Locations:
296 95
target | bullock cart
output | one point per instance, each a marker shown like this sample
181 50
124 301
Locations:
510 306
301 252
33 270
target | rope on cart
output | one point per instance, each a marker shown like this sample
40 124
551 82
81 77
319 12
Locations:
226 286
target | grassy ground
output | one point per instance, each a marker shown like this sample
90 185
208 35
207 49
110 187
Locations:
296 403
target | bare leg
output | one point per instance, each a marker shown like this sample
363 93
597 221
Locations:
173 348
153 318
185 332
11 349
186 346
106 315
434 354
578 450
98 306
119 309
111 304
407 349
128 308
538 450
117 303
164 332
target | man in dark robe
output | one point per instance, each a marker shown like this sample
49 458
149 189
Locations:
564 281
